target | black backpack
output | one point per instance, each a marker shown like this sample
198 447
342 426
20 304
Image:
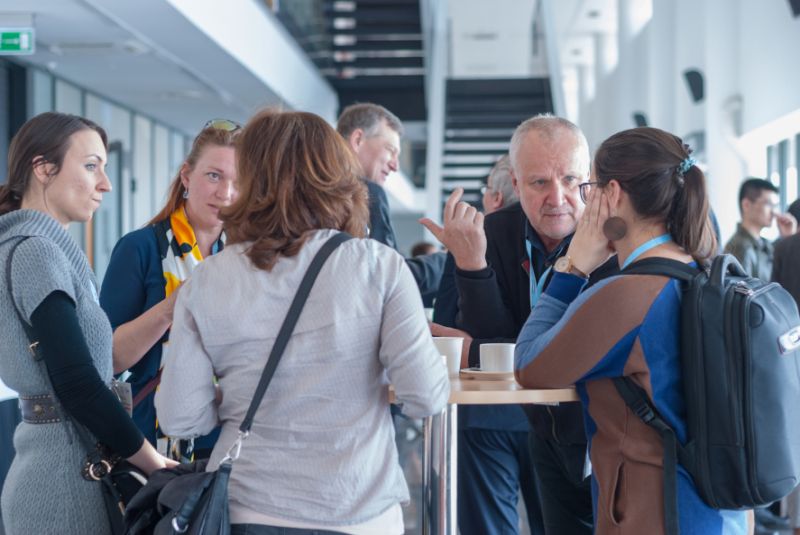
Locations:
740 366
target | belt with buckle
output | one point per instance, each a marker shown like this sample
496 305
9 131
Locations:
40 409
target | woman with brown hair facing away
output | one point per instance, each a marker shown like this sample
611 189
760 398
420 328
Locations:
56 176
647 199
148 266
321 455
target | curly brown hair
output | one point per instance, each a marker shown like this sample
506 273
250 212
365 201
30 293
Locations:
296 176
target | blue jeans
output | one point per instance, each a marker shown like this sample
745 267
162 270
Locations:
260 529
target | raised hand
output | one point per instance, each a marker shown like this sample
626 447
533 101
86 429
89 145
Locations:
461 232
589 247
787 224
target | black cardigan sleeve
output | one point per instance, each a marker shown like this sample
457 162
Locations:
77 385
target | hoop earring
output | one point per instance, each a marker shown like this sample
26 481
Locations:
615 228
186 194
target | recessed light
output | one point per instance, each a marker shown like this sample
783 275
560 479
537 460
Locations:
593 14
576 51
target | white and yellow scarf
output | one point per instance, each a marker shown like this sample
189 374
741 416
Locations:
183 254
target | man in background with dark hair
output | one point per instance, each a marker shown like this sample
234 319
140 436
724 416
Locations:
759 205
373 134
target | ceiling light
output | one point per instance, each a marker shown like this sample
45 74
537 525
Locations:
593 14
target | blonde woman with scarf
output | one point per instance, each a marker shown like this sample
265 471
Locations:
148 266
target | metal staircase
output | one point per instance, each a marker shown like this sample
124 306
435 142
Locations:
480 117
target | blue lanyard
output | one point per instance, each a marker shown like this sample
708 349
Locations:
536 285
646 246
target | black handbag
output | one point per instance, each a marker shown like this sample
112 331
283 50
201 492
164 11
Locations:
119 479
187 499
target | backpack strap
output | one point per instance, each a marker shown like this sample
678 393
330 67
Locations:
662 266
636 399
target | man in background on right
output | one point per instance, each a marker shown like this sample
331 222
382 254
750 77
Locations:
759 205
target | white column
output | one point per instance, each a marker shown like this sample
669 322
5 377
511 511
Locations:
726 166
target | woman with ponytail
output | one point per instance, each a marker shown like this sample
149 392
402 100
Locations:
56 350
647 199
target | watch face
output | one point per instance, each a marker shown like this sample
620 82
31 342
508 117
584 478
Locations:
562 265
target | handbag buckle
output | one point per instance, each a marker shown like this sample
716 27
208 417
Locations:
236 448
95 471
177 527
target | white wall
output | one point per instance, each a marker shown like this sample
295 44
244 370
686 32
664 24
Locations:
769 75
746 52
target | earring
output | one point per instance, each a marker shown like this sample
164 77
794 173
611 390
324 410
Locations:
615 228
186 194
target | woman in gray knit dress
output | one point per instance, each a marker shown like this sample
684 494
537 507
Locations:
55 177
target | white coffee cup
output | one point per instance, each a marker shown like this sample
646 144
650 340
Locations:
497 357
450 348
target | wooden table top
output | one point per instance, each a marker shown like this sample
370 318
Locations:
476 392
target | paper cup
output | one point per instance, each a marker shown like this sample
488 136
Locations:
450 348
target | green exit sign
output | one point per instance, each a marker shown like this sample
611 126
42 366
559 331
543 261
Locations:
17 41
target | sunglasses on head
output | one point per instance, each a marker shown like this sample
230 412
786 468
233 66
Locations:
222 124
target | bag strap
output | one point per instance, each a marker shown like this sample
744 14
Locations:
25 326
147 389
287 327
82 434
636 399
662 266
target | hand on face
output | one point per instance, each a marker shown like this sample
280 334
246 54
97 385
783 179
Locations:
787 224
462 232
589 247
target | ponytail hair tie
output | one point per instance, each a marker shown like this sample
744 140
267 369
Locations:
685 165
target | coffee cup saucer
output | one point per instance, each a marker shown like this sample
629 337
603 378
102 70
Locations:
481 375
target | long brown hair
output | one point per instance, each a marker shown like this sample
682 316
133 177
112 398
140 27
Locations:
652 167
217 137
296 175
43 139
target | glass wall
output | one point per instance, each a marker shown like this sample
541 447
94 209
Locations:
143 157
783 160
162 172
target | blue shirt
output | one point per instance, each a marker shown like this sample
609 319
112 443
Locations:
134 283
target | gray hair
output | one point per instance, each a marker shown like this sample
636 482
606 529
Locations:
549 127
500 180
367 117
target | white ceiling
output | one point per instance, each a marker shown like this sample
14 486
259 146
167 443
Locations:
576 24
144 54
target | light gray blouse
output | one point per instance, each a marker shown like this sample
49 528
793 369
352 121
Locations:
322 445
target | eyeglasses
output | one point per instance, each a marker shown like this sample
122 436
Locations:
222 124
585 189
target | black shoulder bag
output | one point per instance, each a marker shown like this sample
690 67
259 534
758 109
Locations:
187 499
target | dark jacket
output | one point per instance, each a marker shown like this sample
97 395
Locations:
786 265
426 269
495 302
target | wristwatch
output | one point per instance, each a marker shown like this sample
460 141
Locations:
565 265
